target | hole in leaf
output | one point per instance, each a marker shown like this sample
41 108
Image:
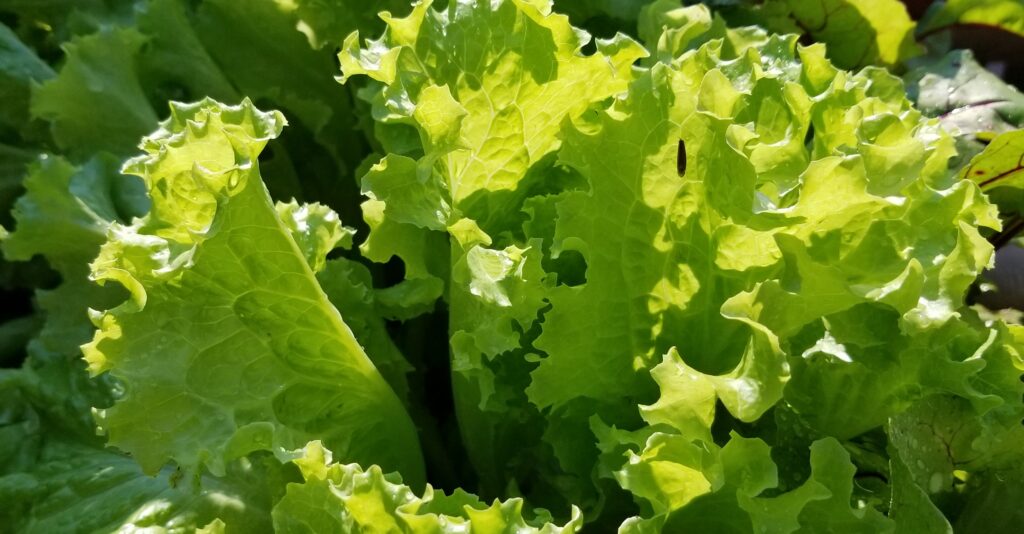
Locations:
390 273
570 268
681 158
590 48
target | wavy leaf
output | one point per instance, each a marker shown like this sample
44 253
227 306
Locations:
266 362
347 498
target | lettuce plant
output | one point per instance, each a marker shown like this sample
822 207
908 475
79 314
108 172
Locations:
488 273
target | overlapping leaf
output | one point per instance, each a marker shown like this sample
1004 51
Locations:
971 102
818 273
264 361
716 288
488 120
857 32
347 498
1007 15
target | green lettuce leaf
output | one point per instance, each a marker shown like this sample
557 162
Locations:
468 121
66 210
696 225
347 498
269 364
349 286
126 68
717 285
488 122
57 476
175 63
19 68
14 162
1006 15
265 57
971 102
99 83
464 119
123 73
686 481
56 472
777 340
745 202
80 489
954 451
858 32
821 504
53 483
669 30
63 217
330 21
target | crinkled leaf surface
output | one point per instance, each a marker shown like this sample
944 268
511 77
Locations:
857 32
57 476
468 101
266 57
330 21
63 217
54 481
67 208
80 489
698 223
691 483
99 83
744 202
263 361
719 288
485 117
347 498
